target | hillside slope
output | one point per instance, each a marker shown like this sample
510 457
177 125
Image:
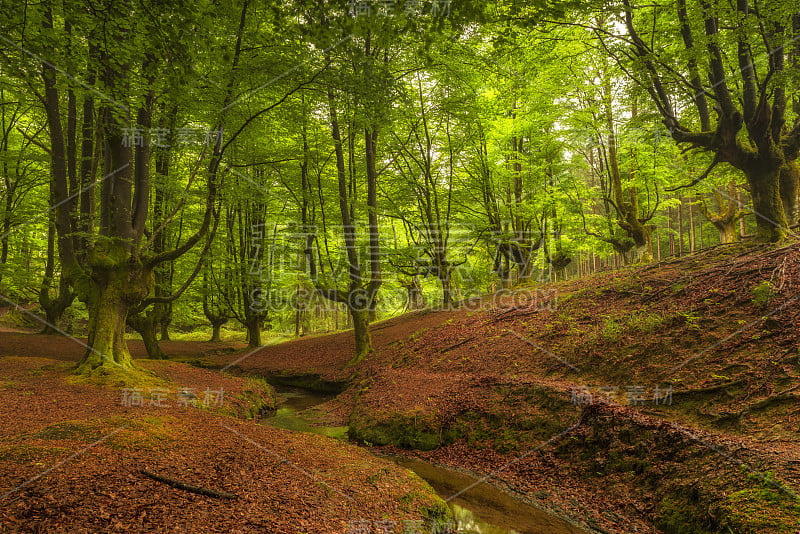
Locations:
657 398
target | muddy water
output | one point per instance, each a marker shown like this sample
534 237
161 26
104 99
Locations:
481 509
294 400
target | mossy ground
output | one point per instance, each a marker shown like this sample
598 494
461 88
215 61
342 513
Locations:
119 377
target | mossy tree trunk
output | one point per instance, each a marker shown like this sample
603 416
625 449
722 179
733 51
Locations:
728 214
764 179
789 183
253 325
254 297
727 231
107 256
362 336
150 339
166 319
112 292
145 324
629 227
216 328
446 280
361 292
415 298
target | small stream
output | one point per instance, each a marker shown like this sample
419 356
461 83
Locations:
482 509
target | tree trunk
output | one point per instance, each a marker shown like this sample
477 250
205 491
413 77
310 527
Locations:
166 319
110 296
724 220
297 318
671 235
658 245
446 279
771 225
54 311
150 340
691 229
526 269
253 325
741 219
6 230
216 327
680 228
414 295
362 336
54 308
700 234
145 325
503 269
727 231
790 191
357 298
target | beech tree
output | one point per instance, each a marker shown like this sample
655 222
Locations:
105 248
742 111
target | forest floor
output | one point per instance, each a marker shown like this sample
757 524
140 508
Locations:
73 455
662 398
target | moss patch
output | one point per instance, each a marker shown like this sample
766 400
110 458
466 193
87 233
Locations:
256 400
414 430
762 293
761 510
121 377
24 453
679 515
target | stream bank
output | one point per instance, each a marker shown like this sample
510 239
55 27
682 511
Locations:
477 507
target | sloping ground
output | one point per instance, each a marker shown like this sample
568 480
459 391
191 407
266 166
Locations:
326 356
72 455
27 343
662 397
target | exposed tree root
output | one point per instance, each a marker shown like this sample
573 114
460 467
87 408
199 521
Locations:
451 347
778 398
710 389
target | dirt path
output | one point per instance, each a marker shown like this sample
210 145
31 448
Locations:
327 355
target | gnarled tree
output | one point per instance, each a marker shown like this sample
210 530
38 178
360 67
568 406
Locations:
753 128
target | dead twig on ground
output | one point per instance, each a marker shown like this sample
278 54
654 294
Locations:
217 494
